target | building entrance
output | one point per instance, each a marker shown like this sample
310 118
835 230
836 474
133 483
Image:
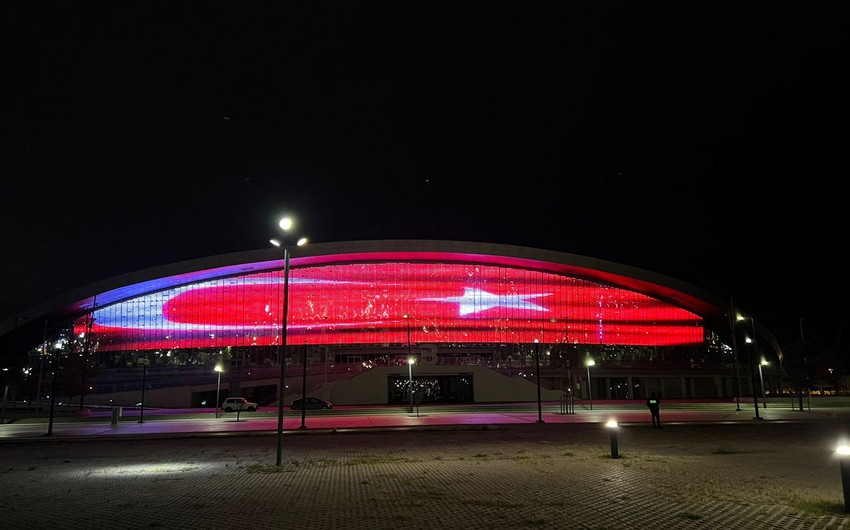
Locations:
456 388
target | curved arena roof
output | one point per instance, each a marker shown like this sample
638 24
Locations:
30 325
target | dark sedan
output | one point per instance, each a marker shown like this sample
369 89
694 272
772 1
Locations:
311 403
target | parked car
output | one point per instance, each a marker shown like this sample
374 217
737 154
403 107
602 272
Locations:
233 404
311 403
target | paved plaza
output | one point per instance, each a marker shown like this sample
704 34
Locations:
698 472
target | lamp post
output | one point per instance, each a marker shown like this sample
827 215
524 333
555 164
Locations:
806 369
761 379
53 389
218 370
285 225
144 363
750 364
85 355
588 363
537 376
41 365
735 360
410 361
304 388
325 379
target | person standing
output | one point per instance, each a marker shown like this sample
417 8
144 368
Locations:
654 405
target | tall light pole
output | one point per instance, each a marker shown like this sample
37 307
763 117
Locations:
218 370
304 388
41 365
761 378
144 362
56 355
750 364
537 374
409 361
325 381
805 368
85 356
285 225
735 359
588 363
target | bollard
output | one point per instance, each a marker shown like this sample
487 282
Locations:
612 426
843 453
115 414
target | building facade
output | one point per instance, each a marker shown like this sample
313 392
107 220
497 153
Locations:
383 322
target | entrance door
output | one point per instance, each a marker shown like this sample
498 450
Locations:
455 388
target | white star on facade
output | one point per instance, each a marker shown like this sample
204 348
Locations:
476 300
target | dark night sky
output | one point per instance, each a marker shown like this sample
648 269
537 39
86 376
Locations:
704 141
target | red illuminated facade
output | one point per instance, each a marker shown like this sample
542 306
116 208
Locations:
364 305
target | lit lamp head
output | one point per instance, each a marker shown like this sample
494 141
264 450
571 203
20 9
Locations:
286 225
611 423
300 243
218 368
411 361
589 362
842 450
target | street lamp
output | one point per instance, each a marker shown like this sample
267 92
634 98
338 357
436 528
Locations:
218 370
53 388
750 363
735 360
304 387
588 363
761 378
537 377
410 361
325 379
41 364
806 369
285 242
144 362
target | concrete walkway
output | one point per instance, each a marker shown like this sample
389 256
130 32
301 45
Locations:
198 422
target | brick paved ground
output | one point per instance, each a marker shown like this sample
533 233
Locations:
694 476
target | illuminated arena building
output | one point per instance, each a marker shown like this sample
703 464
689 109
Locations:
481 323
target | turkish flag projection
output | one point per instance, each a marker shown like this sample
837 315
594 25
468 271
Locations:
374 303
